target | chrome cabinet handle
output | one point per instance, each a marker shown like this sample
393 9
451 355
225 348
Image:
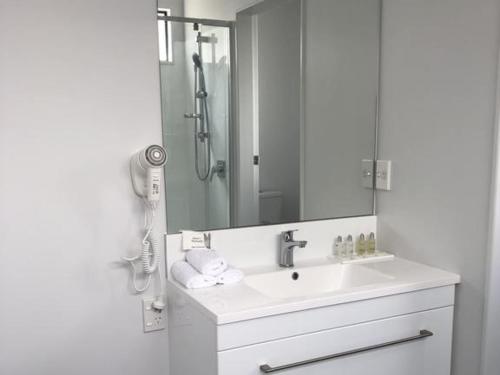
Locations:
266 369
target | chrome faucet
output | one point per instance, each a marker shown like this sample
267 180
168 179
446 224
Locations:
287 245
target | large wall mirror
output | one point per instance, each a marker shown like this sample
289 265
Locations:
269 109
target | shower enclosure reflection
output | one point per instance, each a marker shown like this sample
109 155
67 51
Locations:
195 88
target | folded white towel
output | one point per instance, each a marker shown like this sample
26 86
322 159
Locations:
230 276
206 261
185 274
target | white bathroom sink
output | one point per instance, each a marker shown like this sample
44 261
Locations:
270 290
300 282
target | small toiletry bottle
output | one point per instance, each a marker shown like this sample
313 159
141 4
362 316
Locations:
371 244
361 245
349 247
338 248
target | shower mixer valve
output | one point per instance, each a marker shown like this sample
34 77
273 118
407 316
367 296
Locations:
219 169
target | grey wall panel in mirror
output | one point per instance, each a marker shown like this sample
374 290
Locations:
341 54
269 109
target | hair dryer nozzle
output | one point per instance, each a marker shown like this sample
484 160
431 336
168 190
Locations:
155 156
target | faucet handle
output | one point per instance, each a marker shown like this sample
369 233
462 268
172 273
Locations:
288 234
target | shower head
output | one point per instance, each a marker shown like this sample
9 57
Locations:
197 61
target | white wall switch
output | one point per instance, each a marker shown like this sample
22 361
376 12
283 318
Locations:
154 320
367 167
383 176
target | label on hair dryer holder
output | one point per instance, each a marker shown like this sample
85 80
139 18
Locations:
153 185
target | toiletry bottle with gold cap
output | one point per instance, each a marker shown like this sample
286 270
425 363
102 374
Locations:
371 244
361 245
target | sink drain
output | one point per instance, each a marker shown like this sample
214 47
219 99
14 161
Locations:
295 276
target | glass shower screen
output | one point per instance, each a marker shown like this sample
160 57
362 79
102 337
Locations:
195 90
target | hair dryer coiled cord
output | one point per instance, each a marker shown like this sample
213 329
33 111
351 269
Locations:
149 256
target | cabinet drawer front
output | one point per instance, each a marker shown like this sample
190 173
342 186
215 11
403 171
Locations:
277 327
396 346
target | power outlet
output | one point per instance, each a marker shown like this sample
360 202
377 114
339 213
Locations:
153 319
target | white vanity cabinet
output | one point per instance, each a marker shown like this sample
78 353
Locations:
401 334
353 350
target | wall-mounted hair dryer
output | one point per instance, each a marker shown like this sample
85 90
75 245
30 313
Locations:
146 168
146 171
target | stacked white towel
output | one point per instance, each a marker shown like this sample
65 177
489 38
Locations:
230 276
204 268
185 274
206 261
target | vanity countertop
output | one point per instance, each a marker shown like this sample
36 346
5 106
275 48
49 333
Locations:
232 303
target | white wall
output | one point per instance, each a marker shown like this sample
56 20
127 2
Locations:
78 94
438 97
491 324
341 51
491 327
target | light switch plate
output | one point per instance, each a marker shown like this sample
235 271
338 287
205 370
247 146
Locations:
154 320
383 176
367 167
